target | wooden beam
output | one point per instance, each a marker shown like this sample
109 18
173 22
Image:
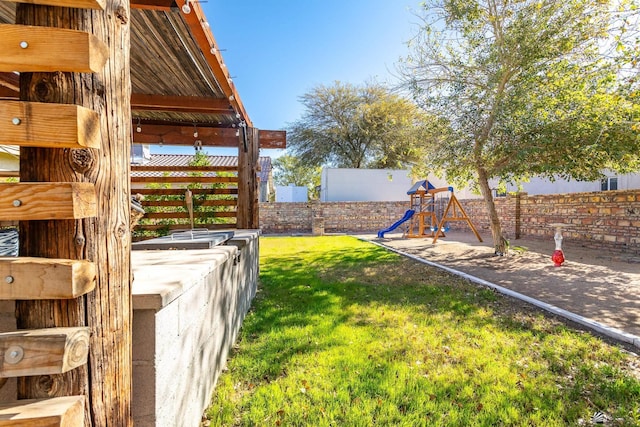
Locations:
182 104
9 85
79 4
168 215
10 81
180 191
104 239
172 227
180 203
39 124
8 93
45 278
152 4
65 411
136 168
33 48
185 179
248 191
208 136
51 200
272 138
183 135
43 351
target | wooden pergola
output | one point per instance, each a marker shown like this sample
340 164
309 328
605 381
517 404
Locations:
80 80
179 83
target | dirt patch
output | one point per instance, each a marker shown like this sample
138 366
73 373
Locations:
594 284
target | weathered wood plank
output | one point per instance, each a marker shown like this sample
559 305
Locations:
152 4
65 411
183 135
80 4
209 136
10 81
104 239
43 351
185 104
45 278
177 215
50 200
136 168
181 203
180 191
33 48
248 153
173 227
39 124
272 138
8 93
185 179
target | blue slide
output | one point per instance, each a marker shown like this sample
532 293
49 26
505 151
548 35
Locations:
407 216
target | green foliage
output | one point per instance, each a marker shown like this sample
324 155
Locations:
200 158
357 127
289 169
344 333
528 87
208 214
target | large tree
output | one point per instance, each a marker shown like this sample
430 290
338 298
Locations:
289 170
529 87
357 127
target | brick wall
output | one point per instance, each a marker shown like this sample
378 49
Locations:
597 219
608 220
339 217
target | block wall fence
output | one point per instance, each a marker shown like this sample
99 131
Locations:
608 220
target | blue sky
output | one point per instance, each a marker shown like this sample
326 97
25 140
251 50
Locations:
277 50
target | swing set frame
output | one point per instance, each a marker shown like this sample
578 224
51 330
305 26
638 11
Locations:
424 222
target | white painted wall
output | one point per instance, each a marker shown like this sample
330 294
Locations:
291 193
546 186
364 185
461 193
369 185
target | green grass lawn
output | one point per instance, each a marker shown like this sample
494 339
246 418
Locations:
344 333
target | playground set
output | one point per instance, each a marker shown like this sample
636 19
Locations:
426 202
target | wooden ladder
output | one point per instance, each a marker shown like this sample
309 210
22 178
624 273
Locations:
31 124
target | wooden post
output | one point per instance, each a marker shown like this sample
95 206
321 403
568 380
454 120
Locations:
105 239
248 180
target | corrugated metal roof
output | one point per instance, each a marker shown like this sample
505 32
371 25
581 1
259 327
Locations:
184 160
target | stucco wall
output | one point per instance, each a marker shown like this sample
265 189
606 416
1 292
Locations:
340 184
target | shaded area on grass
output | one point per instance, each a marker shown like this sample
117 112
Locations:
345 333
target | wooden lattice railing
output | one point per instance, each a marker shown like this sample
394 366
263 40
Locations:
214 190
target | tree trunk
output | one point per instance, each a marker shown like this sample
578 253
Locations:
499 242
105 239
